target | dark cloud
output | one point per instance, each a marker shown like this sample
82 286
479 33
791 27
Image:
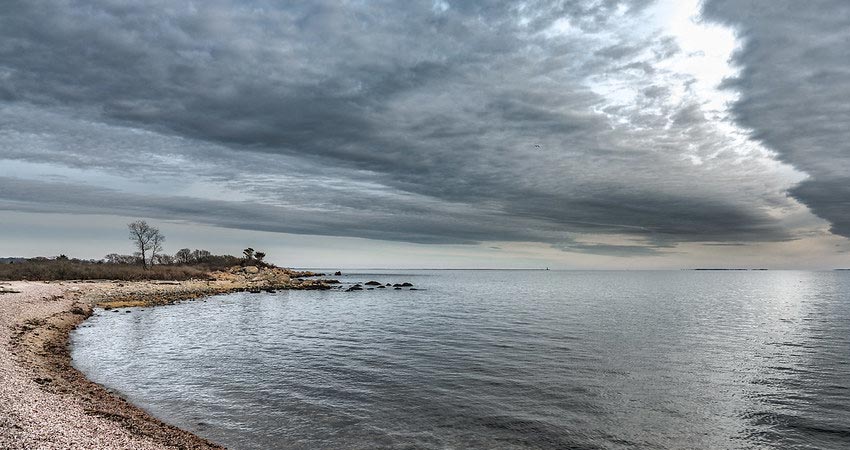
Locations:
795 82
437 122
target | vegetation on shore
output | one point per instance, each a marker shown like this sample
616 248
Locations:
148 263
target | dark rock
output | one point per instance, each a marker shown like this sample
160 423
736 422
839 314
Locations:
337 273
397 288
316 287
382 287
406 284
372 283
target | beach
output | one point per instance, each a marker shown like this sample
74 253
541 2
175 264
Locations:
46 402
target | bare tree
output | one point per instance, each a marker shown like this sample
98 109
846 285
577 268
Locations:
115 258
146 238
200 255
156 245
163 259
248 253
259 256
183 256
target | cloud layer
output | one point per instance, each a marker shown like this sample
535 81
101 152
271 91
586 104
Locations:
584 126
795 85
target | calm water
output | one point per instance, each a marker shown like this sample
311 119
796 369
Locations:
497 360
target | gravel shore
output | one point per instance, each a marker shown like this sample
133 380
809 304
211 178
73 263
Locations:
47 404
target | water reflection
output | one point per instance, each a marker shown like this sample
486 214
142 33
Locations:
498 360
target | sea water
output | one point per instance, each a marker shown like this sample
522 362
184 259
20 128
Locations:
496 360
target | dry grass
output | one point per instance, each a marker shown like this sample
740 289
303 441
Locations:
48 270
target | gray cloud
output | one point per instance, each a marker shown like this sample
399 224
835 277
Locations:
398 121
795 84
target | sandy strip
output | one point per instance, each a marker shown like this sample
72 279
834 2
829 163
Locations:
47 404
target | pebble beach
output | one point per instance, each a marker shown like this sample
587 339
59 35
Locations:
46 403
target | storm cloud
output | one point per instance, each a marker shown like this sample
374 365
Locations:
795 85
429 122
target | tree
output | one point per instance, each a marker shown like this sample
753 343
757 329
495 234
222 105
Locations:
115 258
183 256
259 256
163 259
200 255
146 238
156 246
249 253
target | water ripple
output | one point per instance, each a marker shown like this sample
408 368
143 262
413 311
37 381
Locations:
509 360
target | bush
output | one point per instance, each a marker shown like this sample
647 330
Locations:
42 269
185 265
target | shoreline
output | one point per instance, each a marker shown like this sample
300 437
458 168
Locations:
53 405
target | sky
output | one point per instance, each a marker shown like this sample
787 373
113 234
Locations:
586 134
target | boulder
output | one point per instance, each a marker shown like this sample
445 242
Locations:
337 273
278 278
252 270
372 283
